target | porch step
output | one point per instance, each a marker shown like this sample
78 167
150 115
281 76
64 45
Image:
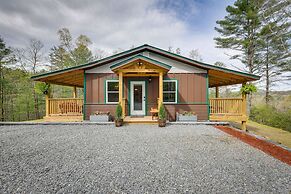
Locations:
145 119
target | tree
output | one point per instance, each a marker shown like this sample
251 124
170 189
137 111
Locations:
194 54
219 64
67 54
6 57
239 31
274 46
30 60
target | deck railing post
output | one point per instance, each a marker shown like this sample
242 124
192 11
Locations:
46 105
244 111
75 92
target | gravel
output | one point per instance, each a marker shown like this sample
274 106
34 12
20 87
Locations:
134 159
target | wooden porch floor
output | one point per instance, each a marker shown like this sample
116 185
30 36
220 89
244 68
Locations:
143 119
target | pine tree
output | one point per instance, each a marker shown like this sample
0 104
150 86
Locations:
239 31
274 46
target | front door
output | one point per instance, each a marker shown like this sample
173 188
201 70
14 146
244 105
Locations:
137 98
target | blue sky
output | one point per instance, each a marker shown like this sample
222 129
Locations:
114 24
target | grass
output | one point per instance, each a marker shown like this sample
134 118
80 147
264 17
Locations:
275 134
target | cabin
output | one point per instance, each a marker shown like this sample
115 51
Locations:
142 78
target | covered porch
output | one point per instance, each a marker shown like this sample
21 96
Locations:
133 74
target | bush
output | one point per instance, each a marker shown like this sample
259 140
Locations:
162 112
118 112
269 115
248 88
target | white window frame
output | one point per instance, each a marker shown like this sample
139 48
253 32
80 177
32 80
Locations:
176 92
106 91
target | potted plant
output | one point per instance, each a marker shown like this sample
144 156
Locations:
248 88
118 116
99 116
162 116
186 116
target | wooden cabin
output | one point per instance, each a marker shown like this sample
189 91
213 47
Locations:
142 78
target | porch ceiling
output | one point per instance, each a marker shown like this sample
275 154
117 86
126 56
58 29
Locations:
73 78
222 78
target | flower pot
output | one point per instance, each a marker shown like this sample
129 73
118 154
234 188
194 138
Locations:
162 122
118 122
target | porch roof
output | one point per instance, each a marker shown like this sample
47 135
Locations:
74 76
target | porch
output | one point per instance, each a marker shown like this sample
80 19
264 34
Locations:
71 109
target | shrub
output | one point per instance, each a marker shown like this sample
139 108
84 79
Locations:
248 88
118 112
269 115
162 112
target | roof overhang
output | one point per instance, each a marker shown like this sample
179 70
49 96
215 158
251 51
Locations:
73 76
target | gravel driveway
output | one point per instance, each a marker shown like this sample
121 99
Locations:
134 159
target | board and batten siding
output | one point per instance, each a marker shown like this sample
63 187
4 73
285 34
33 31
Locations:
192 94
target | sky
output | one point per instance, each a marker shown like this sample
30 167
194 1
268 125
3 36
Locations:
114 24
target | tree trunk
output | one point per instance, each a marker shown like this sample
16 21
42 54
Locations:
2 93
267 76
36 109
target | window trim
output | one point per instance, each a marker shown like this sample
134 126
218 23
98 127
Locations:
106 91
176 92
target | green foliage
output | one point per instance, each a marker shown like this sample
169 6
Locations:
68 54
118 112
42 88
269 115
239 30
162 112
248 89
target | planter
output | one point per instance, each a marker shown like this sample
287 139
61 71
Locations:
99 118
162 122
118 122
186 118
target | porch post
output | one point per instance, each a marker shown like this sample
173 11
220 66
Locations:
160 89
244 111
216 92
47 105
74 92
120 86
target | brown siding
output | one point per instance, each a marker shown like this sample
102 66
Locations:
200 110
192 94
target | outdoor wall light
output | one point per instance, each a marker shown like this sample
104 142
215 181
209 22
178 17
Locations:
150 79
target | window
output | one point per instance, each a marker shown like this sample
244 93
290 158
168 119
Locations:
112 91
170 91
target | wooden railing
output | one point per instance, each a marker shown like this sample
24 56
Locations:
64 106
227 109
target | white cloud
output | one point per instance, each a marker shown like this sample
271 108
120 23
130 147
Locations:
115 24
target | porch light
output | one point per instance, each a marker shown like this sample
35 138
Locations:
150 79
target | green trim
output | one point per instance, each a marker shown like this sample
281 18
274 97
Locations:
85 96
207 95
86 65
129 94
208 66
139 56
152 49
105 90
177 86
